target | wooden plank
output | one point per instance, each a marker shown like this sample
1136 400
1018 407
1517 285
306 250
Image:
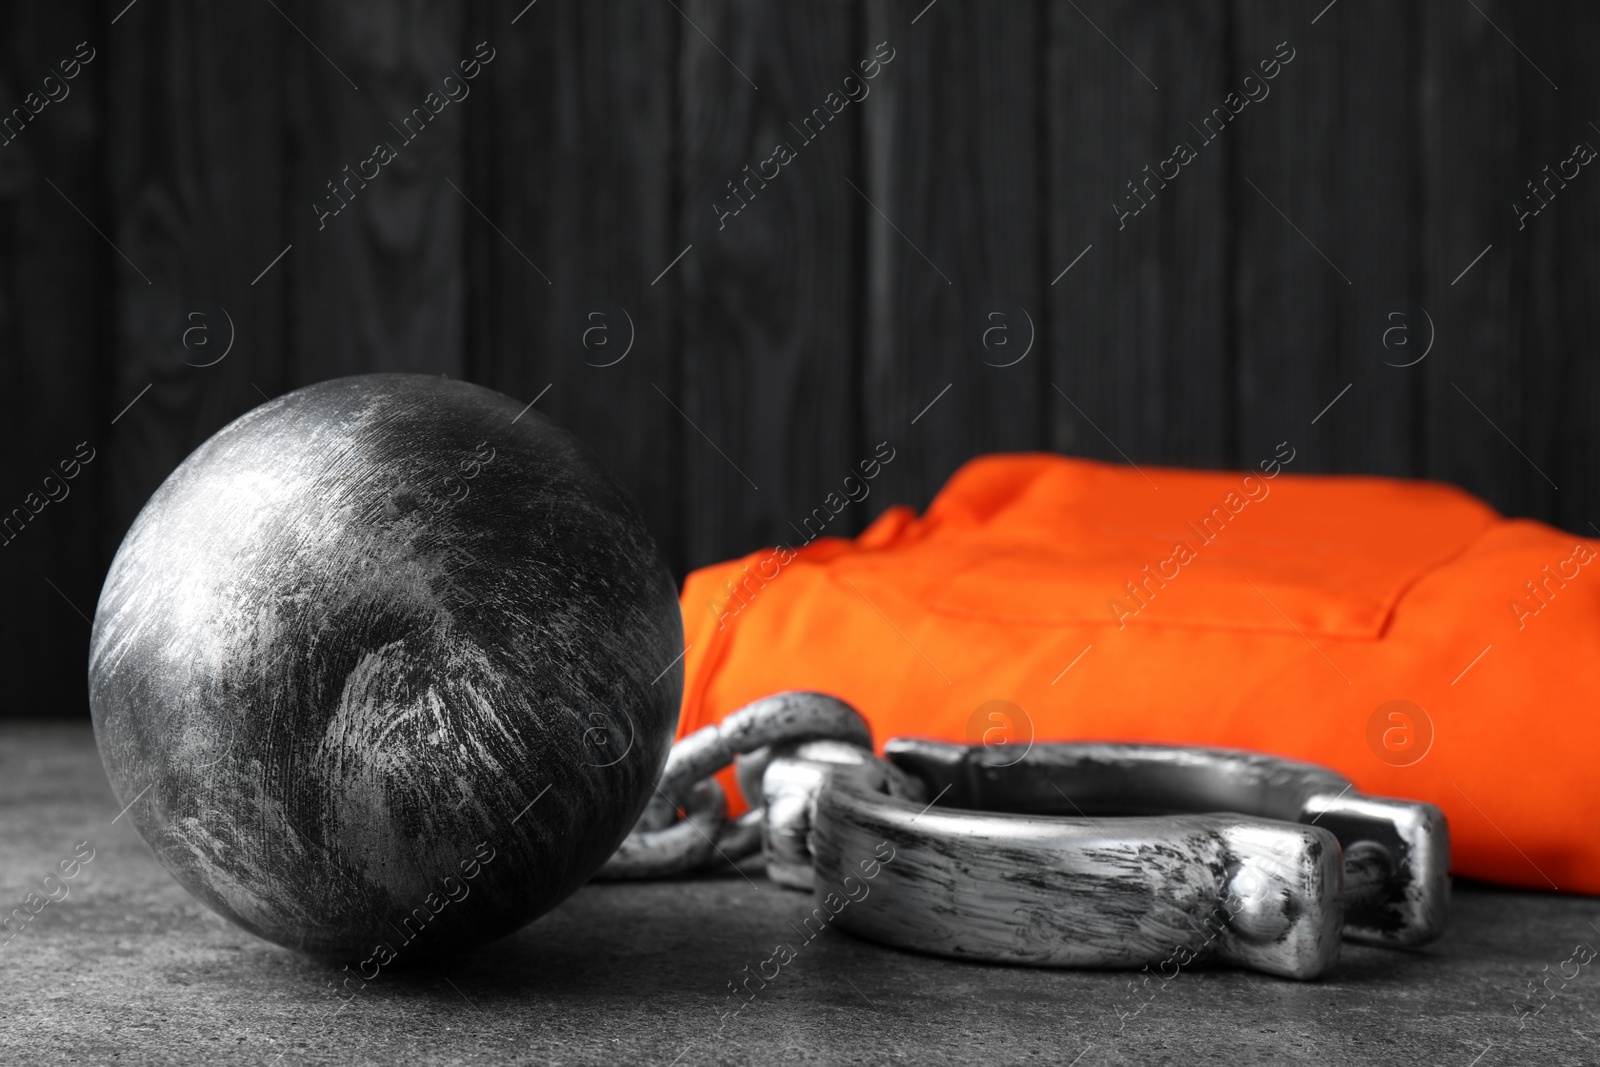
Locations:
570 159
1562 421
377 283
196 193
1141 324
1491 122
954 235
1327 220
51 270
771 290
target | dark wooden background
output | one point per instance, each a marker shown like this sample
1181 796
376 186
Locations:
851 293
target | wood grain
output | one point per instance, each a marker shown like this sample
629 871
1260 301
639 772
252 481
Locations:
1141 327
850 297
1570 333
1519 318
954 235
196 179
1327 248
772 291
570 155
50 352
380 285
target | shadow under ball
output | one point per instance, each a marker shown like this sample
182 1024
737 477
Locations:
385 662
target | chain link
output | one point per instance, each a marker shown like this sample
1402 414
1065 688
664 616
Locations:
773 730
675 849
790 782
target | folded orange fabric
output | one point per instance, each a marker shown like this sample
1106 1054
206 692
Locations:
1402 633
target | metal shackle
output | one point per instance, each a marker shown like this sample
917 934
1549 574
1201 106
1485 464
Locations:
1122 855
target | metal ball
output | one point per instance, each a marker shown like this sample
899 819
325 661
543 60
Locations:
387 667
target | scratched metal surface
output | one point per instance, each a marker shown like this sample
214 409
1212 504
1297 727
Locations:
127 966
359 631
1040 891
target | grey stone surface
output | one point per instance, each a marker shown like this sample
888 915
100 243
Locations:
127 968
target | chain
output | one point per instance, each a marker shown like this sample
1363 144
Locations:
1004 874
782 747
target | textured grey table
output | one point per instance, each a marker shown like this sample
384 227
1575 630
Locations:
127 968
